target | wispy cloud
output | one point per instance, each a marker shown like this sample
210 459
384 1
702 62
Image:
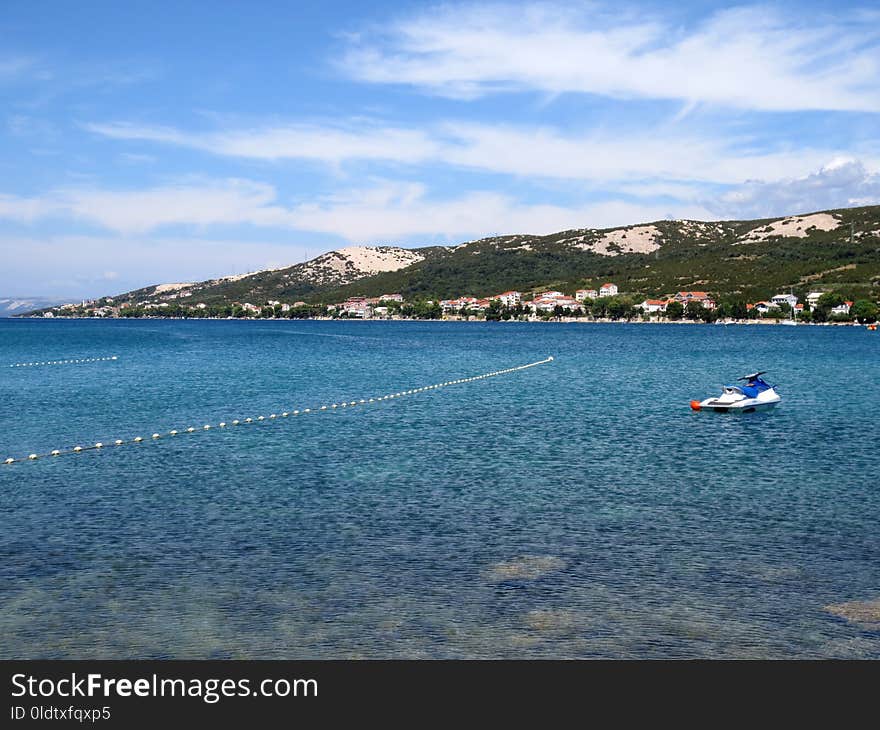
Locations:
395 210
748 57
544 152
200 204
15 66
382 210
325 143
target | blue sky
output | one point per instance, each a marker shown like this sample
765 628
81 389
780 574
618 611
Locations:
154 142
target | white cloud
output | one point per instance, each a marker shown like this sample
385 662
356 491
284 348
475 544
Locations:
25 210
386 210
748 57
12 67
841 183
612 157
395 211
328 143
203 203
381 211
603 157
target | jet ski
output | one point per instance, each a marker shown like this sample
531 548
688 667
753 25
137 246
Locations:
755 395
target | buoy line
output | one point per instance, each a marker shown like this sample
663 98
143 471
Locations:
63 362
273 416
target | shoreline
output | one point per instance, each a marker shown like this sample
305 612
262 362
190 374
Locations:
561 320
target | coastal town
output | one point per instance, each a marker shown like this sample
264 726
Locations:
603 303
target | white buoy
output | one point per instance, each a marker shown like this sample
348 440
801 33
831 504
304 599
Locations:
342 404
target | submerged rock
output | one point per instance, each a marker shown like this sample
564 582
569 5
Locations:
860 612
553 620
527 567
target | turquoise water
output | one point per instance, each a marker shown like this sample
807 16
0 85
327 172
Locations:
576 509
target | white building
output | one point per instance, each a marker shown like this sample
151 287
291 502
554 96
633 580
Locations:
608 290
813 298
357 307
456 305
780 299
841 309
391 298
509 298
650 306
549 303
582 294
549 295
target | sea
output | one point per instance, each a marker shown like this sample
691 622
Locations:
575 509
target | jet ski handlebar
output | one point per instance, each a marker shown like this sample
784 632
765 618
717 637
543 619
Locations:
753 375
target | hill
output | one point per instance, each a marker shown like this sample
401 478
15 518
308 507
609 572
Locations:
14 306
750 259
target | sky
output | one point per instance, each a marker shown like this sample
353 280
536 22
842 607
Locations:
148 142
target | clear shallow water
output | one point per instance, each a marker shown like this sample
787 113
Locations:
576 509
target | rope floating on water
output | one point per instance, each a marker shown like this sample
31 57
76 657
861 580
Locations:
98 445
63 362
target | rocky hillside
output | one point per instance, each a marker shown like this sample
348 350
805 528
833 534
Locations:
752 259
307 280
13 306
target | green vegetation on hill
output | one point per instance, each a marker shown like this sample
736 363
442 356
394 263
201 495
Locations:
717 257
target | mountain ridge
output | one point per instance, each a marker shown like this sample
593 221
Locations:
751 258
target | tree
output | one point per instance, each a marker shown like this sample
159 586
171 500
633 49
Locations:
738 309
865 311
694 310
826 302
674 310
620 308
